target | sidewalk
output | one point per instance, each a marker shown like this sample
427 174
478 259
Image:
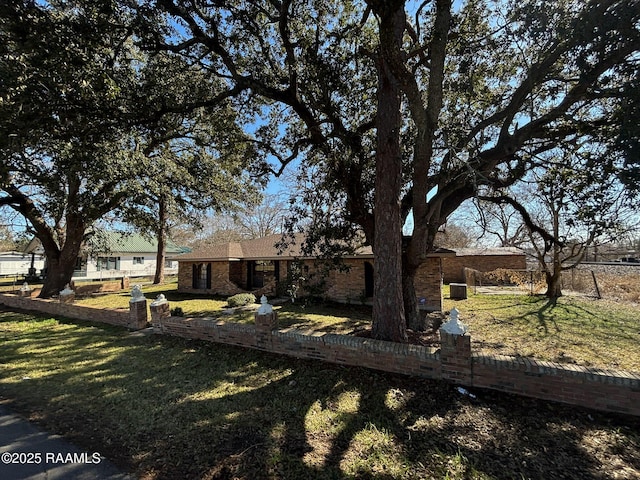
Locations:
28 453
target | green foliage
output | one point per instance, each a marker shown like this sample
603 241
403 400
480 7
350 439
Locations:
295 279
194 157
98 130
241 299
485 88
67 105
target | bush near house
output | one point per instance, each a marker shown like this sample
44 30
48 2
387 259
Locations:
241 299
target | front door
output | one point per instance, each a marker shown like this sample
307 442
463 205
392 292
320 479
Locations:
258 271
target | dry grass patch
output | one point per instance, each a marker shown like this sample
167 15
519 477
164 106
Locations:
576 330
620 287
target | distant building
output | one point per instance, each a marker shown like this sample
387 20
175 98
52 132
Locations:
19 263
131 255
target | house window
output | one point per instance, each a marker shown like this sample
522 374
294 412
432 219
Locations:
108 263
81 264
202 281
201 276
265 266
259 272
168 264
138 260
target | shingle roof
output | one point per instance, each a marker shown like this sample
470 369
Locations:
259 248
489 251
265 248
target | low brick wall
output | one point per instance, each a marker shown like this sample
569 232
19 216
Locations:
613 391
340 349
130 318
102 287
608 390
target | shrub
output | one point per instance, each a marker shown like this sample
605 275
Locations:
241 299
177 312
294 279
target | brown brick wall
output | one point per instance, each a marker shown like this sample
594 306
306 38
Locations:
453 267
238 273
340 287
115 316
612 391
184 276
428 284
103 287
347 287
454 362
220 281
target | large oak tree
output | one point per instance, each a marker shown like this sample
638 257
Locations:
66 70
82 126
420 103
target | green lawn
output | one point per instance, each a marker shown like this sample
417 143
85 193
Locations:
578 330
326 318
572 329
167 408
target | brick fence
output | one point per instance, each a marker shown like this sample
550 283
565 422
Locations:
614 391
134 318
607 390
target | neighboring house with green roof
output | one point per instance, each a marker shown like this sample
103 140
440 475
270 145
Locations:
131 254
115 255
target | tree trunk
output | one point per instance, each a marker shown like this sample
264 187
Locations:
59 274
427 217
158 277
415 320
162 241
388 306
554 277
554 284
61 263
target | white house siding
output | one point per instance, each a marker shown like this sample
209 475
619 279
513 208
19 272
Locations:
127 266
15 263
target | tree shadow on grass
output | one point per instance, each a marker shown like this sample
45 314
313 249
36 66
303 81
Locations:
420 436
544 315
171 408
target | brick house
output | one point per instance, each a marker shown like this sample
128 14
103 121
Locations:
483 260
258 266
